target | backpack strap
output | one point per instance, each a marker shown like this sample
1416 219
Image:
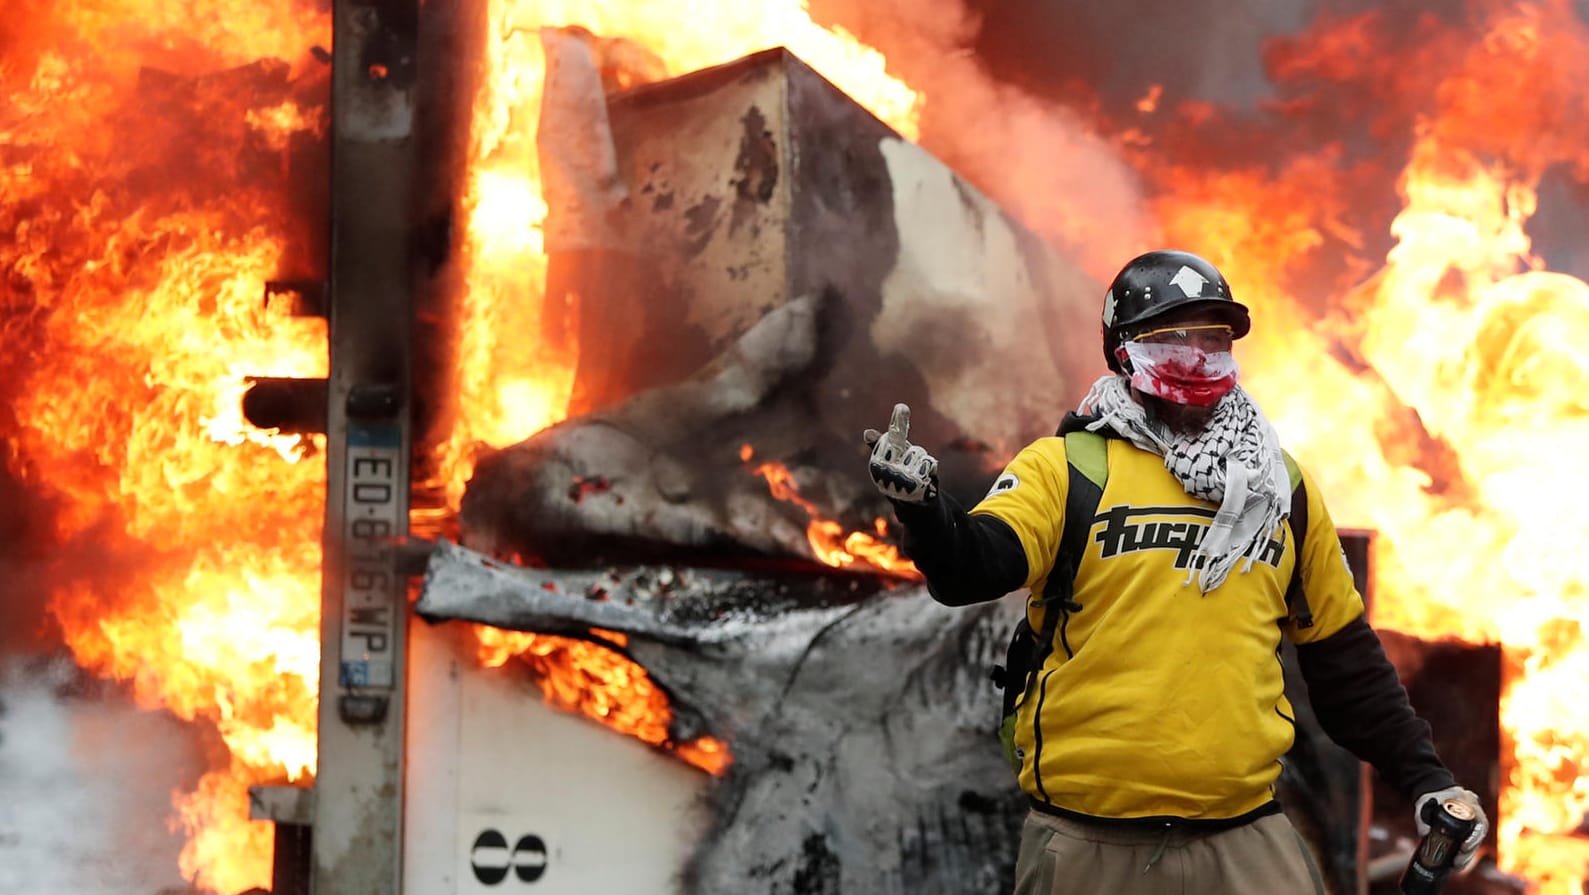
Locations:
1088 453
1087 464
1087 468
1296 597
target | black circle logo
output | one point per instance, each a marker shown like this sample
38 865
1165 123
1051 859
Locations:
491 859
529 858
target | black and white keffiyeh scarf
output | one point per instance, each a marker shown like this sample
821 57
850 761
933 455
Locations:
1235 462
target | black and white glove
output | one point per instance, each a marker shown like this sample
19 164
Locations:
899 469
1481 828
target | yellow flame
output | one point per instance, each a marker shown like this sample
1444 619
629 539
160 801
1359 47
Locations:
189 542
515 376
1479 534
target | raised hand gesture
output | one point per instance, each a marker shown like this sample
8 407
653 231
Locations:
899 469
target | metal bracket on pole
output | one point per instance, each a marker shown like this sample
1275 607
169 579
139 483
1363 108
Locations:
307 297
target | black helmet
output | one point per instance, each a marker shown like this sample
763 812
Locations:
1159 282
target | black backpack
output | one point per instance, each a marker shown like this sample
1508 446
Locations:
1087 456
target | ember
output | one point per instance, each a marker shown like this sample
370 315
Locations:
583 486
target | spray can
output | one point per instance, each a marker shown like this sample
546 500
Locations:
1450 823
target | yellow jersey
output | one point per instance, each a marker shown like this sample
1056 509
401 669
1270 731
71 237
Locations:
1158 700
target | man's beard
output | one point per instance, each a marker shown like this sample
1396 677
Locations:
1185 420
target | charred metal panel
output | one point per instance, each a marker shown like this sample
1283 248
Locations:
951 304
746 188
861 727
684 268
758 181
663 471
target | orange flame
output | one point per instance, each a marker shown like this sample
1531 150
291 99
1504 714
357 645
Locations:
1149 103
144 178
579 676
1438 400
135 292
512 383
828 540
147 290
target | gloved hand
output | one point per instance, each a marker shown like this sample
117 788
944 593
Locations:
901 470
1481 828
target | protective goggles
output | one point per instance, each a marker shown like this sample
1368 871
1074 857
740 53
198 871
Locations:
1210 337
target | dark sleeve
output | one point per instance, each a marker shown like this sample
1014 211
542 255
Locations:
1361 704
966 559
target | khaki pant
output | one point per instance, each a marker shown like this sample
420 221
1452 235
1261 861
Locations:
1059 856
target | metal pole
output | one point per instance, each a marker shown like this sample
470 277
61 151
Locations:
357 830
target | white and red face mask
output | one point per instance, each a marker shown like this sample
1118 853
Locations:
1180 374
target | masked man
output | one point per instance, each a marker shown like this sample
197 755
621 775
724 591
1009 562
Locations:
1150 731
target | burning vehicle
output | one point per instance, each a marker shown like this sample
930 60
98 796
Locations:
451 411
